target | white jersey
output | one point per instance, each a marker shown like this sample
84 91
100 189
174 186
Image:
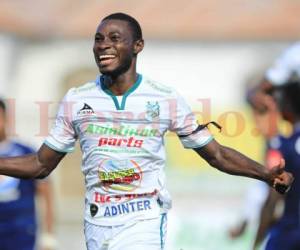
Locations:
122 140
285 66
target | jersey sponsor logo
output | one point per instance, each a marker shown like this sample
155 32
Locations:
124 175
121 130
86 110
152 110
93 210
127 207
122 150
98 198
120 142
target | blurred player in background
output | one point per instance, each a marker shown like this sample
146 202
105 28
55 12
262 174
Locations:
120 120
18 224
284 234
286 67
267 123
285 70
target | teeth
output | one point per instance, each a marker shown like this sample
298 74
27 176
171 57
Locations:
106 57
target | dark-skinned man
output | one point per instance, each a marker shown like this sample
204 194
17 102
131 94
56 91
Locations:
120 120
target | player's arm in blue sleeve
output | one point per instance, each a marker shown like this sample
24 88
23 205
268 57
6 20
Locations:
37 165
232 162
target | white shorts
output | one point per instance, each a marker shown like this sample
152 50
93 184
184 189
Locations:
144 234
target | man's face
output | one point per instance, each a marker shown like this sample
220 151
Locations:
114 48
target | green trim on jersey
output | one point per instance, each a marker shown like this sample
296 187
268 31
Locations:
124 97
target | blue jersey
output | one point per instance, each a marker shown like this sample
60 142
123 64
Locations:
285 233
16 195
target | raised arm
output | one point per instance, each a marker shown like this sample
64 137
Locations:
232 162
38 165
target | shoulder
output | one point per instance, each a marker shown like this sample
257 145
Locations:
165 92
158 88
296 141
286 144
85 89
276 142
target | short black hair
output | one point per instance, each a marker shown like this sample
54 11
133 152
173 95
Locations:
288 96
2 105
133 23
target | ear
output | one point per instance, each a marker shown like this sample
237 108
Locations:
138 46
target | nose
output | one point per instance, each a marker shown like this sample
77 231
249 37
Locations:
103 44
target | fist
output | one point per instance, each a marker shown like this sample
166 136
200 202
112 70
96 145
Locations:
281 180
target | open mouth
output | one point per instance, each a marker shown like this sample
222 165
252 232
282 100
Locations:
105 60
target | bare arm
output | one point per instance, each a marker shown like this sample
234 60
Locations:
232 162
267 216
44 190
47 238
38 165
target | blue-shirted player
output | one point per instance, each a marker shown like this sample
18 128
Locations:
284 234
18 225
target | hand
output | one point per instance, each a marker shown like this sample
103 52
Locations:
238 230
48 241
281 180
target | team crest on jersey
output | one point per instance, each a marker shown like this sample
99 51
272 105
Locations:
86 110
152 110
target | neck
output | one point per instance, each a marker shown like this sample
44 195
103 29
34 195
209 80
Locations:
119 84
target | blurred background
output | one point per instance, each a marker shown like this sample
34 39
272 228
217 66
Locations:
207 49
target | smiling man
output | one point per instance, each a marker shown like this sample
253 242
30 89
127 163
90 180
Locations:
120 120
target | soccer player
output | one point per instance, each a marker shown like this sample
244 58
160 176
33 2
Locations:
267 124
18 225
284 234
120 120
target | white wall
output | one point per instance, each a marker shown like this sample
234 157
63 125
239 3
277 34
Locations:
7 52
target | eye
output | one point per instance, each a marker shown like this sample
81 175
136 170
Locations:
115 38
99 38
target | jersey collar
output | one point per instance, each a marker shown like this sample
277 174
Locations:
119 106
